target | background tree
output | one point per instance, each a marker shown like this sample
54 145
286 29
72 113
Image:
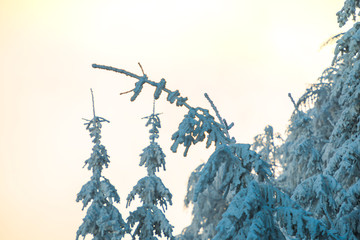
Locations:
150 221
301 151
103 221
267 144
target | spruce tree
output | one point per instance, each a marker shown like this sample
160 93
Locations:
103 220
331 190
148 221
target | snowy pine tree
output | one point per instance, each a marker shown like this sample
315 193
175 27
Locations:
148 220
103 221
233 191
332 191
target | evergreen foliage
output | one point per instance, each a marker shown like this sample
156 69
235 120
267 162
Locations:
148 220
332 123
212 186
300 155
103 221
262 211
265 145
210 203
350 9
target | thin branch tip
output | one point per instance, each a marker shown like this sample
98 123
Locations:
122 93
293 101
141 68
93 101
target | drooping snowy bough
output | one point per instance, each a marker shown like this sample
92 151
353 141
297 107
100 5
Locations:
197 125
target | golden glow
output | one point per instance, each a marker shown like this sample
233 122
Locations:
246 54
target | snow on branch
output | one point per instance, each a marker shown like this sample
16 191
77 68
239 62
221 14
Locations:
197 123
238 161
153 158
172 96
262 211
151 191
222 120
350 9
148 221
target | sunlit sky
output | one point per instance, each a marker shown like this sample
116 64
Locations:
247 55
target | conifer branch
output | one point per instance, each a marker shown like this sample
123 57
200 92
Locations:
197 124
173 95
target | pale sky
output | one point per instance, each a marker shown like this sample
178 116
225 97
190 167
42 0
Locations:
247 55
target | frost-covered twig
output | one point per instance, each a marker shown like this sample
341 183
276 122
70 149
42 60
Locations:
222 120
292 100
214 107
172 96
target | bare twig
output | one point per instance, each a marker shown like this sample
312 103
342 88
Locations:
127 92
141 68
93 102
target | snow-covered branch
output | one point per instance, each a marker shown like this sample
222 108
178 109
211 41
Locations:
196 124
